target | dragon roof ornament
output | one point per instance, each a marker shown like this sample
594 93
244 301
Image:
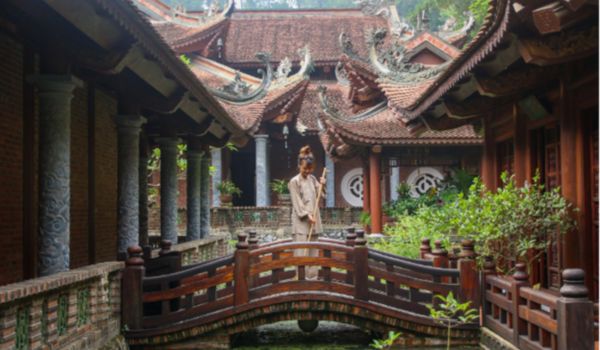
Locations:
393 63
239 92
447 31
341 75
335 113
375 7
181 16
282 74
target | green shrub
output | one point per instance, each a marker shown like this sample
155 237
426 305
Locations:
280 186
506 224
228 187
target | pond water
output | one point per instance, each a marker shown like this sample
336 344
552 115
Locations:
328 336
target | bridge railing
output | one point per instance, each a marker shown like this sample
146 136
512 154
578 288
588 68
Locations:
344 270
537 318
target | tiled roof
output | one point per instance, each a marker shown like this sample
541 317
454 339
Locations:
311 105
249 115
384 128
177 35
404 95
435 40
282 33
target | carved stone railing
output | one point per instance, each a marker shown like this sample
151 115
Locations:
530 318
192 252
77 309
277 218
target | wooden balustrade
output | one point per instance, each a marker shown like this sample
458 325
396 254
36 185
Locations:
532 318
347 269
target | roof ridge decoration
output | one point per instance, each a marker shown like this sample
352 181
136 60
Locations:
282 74
238 91
447 33
393 63
335 113
386 9
181 16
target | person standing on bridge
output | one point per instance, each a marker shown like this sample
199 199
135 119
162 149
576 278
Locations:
304 189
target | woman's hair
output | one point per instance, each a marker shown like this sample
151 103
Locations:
305 157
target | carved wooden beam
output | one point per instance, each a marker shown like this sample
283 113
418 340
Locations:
515 81
503 57
443 123
560 48
474 106
558 15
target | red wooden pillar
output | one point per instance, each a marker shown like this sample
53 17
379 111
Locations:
488 157
520 146
366 192
568 165
241 270
375 188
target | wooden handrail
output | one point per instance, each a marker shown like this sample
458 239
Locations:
346 269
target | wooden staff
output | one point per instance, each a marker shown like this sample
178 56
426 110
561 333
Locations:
314 215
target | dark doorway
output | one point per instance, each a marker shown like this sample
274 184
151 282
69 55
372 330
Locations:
242 174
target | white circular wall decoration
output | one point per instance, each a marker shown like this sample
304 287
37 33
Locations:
422 179
352 187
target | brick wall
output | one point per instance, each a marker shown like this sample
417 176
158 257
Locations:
106 177
79 178
11 159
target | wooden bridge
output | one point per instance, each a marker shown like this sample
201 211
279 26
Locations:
261 284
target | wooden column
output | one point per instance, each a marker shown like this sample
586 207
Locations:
568 173
375 188
361 267
520 145
366 192
488 157
241 271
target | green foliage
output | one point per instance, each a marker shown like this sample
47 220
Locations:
280 186
451 313
384 344
228 187
506 224
440 10
364 218
185 59
154 159
230 146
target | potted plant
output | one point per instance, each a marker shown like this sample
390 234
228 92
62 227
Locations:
280 188
228 189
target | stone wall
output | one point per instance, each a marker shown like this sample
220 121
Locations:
196 251
78 309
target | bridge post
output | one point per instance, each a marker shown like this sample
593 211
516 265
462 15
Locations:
520 279
132 289
253 244
425 248
489 269
469 276
575 313
241 271
361 267
440 258
350 236
350 240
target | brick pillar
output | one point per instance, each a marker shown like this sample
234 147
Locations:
168 188
194 176
129 127
55 93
